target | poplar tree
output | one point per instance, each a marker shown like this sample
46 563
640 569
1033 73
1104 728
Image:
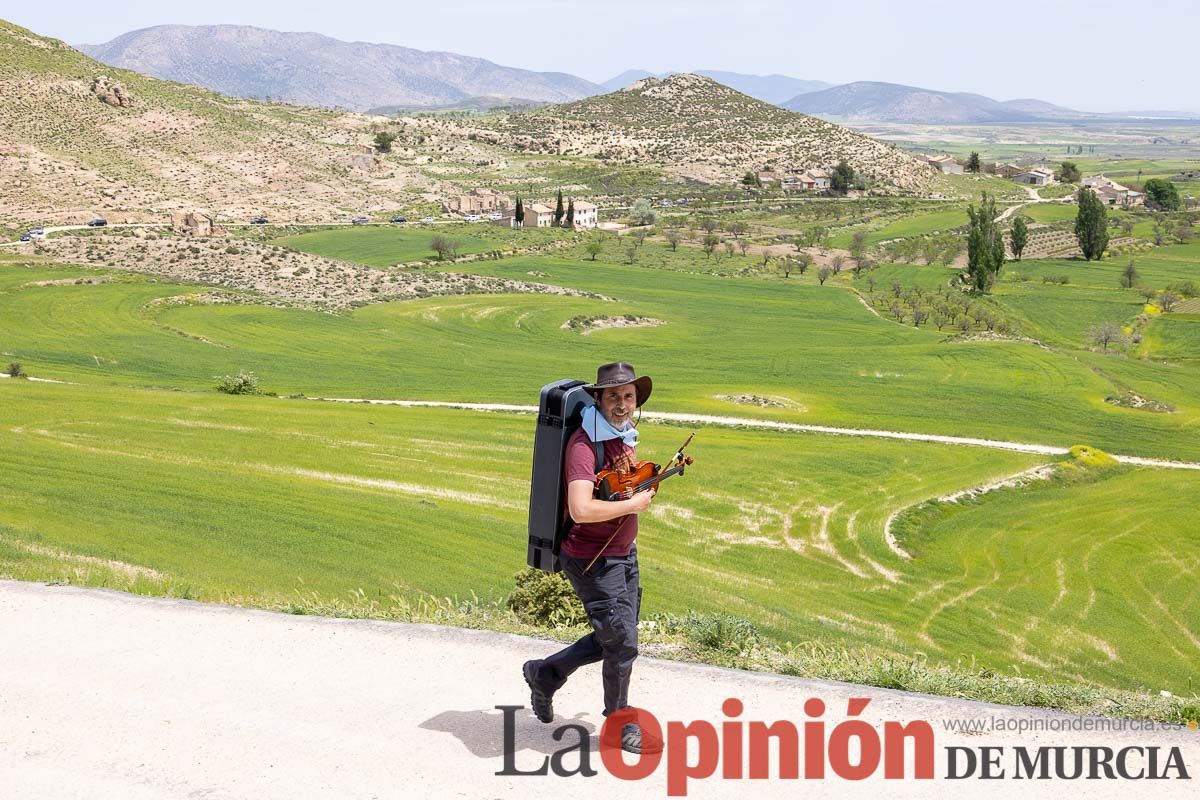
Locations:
985 246
1091 225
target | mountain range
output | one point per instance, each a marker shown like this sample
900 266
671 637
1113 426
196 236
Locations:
893 102
311 69
315 70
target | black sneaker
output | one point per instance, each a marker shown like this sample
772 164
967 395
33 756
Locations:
543 704
634 741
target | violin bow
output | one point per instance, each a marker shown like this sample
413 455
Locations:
675 459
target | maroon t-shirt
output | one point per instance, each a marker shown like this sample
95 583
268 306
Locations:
586 538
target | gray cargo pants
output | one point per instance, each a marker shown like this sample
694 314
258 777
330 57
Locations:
612 599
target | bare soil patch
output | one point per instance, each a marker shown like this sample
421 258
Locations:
589 325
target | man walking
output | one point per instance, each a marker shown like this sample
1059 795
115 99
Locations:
599 554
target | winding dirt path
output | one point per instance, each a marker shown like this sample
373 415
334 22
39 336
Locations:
764 424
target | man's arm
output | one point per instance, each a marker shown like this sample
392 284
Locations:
586 508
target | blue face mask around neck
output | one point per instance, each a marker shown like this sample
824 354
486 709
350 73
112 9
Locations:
599 429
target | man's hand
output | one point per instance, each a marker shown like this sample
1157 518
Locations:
586 508
641 501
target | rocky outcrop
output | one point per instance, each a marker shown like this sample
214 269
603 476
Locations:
111 92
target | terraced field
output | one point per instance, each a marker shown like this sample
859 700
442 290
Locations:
1175 337
944 218
381 247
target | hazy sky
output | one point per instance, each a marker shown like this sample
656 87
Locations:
1103 55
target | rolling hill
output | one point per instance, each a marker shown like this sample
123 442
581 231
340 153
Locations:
773 89
315 70
78 138
697 129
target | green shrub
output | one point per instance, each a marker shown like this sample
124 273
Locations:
715 632
545 598
1185 288
15 370
243 383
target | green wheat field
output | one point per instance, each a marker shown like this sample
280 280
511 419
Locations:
132 471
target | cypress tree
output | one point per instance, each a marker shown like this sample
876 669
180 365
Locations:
985 246
558 210
519 213
571 213
1019 237
1091 225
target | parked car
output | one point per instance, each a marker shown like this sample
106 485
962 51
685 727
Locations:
472 218
259 221
399 218
37 231
667 204
26 237
99 222
360 220
427 219
495 216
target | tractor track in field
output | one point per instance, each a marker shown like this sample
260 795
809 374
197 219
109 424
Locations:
797 427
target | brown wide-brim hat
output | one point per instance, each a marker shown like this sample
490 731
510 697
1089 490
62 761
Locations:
619 374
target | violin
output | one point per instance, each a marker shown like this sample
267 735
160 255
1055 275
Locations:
614 484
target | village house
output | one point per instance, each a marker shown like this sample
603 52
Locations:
821 178
798 182
1038 176
1008 170
587 215
538 216
944 164
767 177
541 215
196 224
477 201
1112 193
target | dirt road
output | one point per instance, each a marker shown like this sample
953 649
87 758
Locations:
773 425
109 695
